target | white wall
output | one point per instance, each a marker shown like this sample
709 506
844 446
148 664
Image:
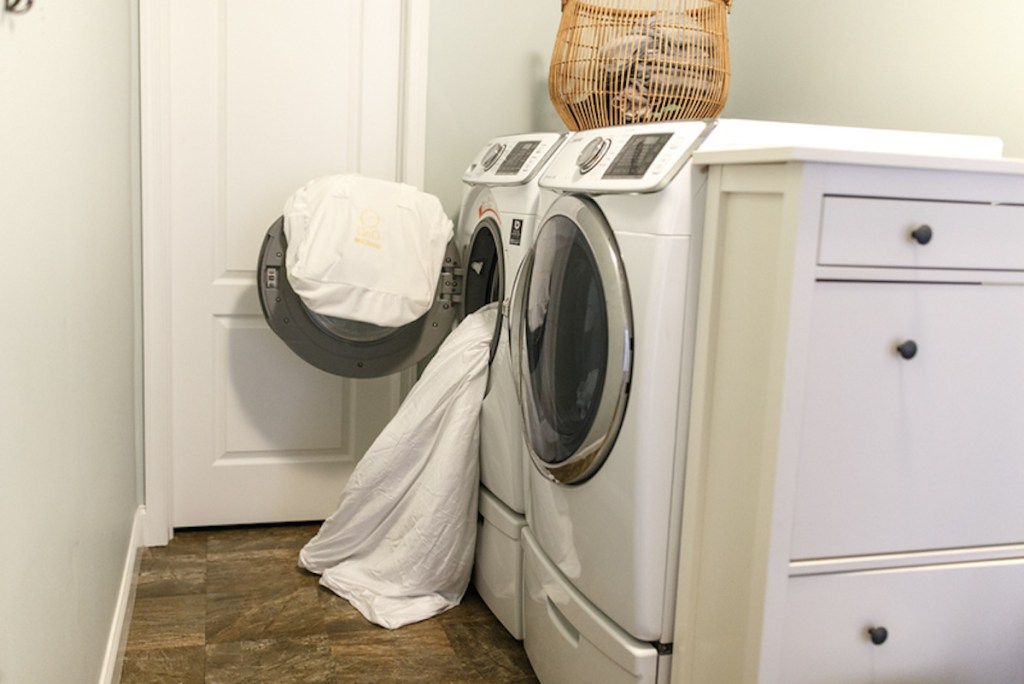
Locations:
67 358
933 65
487 76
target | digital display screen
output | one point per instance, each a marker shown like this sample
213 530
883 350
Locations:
517 157
637 155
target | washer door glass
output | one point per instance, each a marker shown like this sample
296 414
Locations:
576 344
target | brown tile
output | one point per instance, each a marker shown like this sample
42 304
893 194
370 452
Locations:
289 538
185 542
265 615
255 572
339 615
489 652
415 653
184 665
172 575
471 608
262 619
306 660
162 622
258 592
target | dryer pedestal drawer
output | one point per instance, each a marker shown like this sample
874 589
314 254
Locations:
942 624
859 231
913 453
571 642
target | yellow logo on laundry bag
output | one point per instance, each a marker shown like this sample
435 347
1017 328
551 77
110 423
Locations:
368 230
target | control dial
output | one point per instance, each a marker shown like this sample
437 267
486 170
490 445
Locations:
592 153
492 156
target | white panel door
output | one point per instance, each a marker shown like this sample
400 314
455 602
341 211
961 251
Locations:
261 96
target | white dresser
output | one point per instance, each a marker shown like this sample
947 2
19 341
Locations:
854 506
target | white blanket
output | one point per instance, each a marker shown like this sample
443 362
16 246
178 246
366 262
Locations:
400 545
365 249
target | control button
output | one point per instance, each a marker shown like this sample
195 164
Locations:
592 153
492 156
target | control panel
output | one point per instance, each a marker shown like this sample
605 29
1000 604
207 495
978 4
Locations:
641 158
513 159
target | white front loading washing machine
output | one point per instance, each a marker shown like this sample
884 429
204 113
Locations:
495 228
498 215
601 316
602 323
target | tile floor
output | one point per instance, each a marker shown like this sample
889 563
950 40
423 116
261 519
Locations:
230 605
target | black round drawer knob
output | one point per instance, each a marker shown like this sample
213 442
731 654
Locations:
922 234
908 349
878 635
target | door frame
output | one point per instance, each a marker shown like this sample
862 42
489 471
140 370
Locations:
382 21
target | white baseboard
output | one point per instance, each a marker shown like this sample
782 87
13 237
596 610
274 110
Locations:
111 672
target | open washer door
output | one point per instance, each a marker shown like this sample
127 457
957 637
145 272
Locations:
575 337
361 350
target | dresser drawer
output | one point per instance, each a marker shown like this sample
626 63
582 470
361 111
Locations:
943 624
922 453
858 231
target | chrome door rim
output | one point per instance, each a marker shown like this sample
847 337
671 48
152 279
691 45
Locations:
314 342
600 438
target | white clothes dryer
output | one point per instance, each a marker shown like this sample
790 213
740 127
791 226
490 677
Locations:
496 225
602 321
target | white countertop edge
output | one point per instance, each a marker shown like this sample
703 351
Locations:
776 155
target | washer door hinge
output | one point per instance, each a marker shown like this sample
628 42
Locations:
453 281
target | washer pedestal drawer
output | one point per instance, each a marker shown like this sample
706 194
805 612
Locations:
498 572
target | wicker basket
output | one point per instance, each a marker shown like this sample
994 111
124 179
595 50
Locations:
635 61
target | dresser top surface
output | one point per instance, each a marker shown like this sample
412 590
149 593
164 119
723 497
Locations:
778 155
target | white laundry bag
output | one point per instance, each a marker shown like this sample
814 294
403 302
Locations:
400 545
365 249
